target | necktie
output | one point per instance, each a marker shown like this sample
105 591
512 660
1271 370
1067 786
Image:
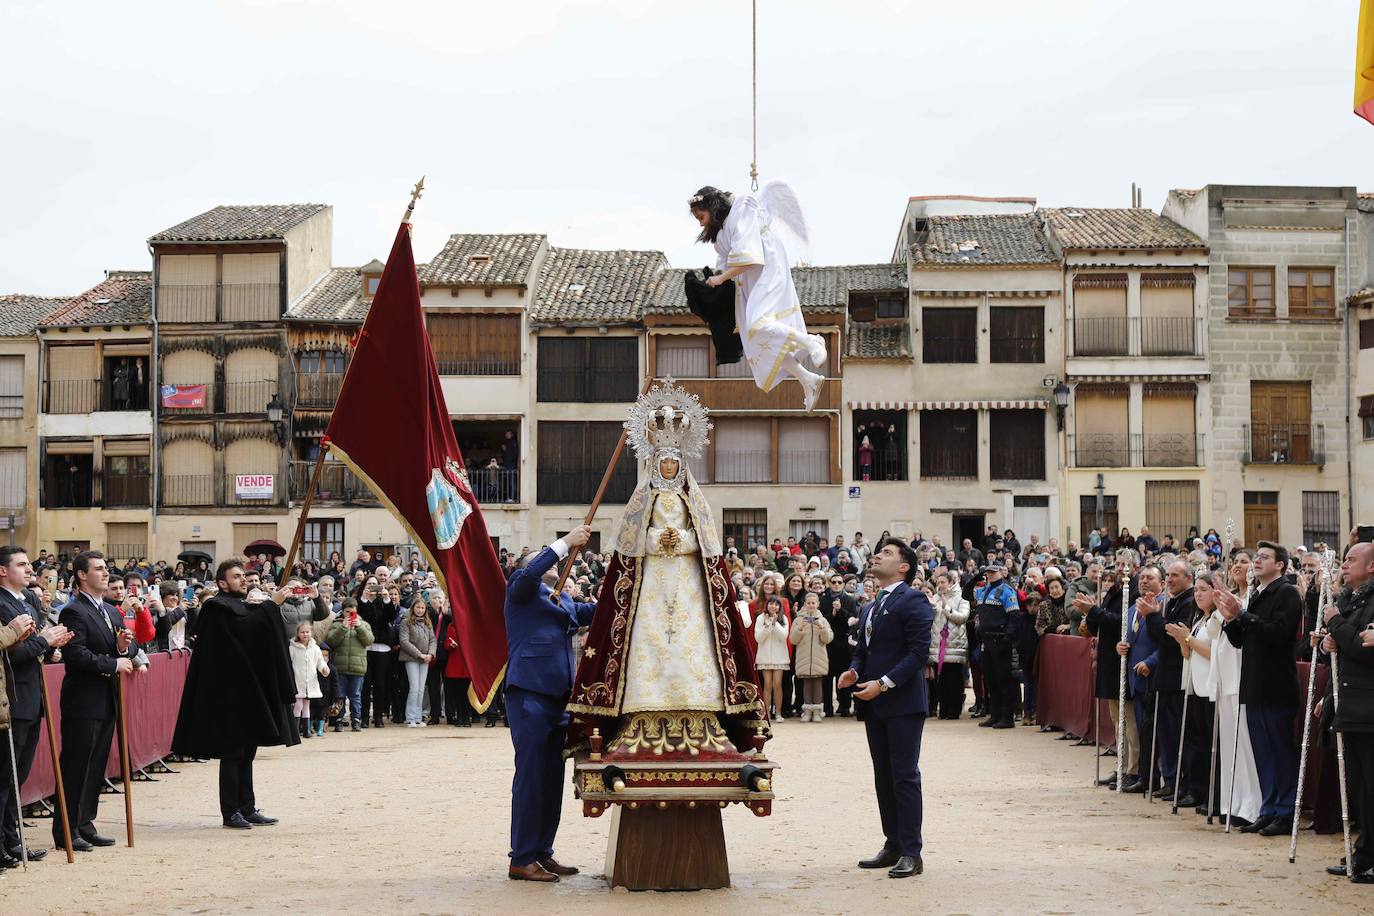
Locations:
877 612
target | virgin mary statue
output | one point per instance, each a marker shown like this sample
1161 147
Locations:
666 671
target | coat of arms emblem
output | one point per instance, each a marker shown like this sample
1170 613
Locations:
447 507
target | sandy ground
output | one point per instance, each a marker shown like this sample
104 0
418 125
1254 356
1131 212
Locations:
416 821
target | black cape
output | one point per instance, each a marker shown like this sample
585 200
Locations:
239 688
716 307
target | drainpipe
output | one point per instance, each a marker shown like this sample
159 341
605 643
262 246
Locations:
155 401
1349 373
38 452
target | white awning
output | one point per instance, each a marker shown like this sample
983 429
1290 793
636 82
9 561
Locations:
1025 404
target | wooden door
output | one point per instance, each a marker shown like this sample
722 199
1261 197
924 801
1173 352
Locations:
1261 518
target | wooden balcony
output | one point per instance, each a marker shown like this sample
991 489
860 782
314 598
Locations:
743 394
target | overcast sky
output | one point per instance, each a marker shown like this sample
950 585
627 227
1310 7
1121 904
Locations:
594 121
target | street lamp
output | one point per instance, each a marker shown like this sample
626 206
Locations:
1061 401
274 416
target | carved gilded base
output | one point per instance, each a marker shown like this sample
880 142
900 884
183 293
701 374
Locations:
688 732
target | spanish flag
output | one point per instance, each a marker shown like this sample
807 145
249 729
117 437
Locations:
1364 63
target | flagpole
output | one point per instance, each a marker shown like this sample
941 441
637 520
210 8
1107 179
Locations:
596 501
415 194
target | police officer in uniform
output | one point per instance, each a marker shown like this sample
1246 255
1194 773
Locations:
993 603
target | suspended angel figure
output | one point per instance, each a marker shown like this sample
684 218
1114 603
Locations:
756 237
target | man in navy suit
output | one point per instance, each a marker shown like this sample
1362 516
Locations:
25 666
890 658
539 674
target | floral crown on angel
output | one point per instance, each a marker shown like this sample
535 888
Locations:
667 418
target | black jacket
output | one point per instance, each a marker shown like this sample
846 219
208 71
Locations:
379 615
24 661
91 658
1356 710
838 651
1266 632
1104 622
1168 673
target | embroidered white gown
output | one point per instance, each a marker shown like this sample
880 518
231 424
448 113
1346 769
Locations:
767 309
1223 686
671 662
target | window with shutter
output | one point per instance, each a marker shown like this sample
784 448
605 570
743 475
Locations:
744 450
949 335
1100 431
1090 519
475 344
186 286
188 467
682 357
1281 428
1017 334
1250 292
1017 444
251 287
73 380
1321 518
126 541
803 451
1172 507
749 528
572 458
1169 420
13 478
1311 292
949 444
1099 315
11 386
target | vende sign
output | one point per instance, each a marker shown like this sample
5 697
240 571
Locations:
253 486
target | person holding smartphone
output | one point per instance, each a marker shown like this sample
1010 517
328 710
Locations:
303 605
349 639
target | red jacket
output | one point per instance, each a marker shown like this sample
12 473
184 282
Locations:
144 630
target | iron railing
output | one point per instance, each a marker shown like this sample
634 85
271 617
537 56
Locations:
744 466
119 554
72 395
495 485
1134 450
187 490
318 390
249 396
803 466
250 301
1285 443
126 491
1139 336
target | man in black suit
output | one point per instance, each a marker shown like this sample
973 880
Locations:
1266 632
101 649
1168 679
890 655
24 662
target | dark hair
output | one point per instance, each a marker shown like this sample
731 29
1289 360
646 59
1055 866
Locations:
223 568
132 575
82 562
715 202
348 604
9 553
168 588
1280 552
907 554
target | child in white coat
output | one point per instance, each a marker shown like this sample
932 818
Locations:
307 662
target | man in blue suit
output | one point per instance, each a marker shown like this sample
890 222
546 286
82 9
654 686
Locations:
890 657
539 674
1142 658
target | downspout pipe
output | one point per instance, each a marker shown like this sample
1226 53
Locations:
154 440
1349 381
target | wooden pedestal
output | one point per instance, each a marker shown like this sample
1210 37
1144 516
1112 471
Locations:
667 849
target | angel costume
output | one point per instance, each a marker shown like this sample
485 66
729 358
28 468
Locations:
767 309
666 669
1223 686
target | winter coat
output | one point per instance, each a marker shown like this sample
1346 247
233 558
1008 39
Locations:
7 638
306 664
772 642
301 609
811 636
350 646
1050 615
448 648
950 611
417 638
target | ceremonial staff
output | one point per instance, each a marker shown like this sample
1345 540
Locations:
1154 723
56 770
18 805
1235 744
1124 564
1340 765
1216 698
124 761
1328 562
1187 689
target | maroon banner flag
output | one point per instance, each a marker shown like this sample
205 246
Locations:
420 476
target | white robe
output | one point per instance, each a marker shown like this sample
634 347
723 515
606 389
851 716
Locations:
1223 686
767 310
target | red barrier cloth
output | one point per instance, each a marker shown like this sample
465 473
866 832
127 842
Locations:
153 700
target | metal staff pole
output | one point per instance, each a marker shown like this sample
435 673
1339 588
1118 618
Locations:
1182 732
1212 771
1307 711
1121 689
1154 741
1235 744
1340 766
18 806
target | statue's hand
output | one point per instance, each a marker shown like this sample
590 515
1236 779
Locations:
669 540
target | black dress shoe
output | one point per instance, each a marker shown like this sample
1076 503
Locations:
1187 801
886 858
1134 787
35 855
235 821
95 839
1005 723
1257 825
986 723
1238 822
8 861
257 818
1337 870
1364 877
906 867
1279 826
1107 781
78 844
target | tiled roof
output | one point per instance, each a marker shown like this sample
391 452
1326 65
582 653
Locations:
20 313
972 241
863 340
582 285
1187 193
1085 227
124 297
820 289
337 296
875 277
240 223
483 260
1365 202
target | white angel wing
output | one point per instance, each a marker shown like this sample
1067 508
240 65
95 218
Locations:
788 222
